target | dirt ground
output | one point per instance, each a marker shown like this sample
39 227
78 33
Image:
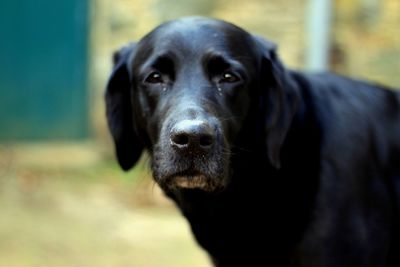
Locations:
63 205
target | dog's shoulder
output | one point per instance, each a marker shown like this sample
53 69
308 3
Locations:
337 94
353 115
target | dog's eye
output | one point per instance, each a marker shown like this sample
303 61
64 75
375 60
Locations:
229 77
154 77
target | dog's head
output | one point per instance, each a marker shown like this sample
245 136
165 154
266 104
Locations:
184 93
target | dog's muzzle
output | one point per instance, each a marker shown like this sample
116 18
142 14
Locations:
190 156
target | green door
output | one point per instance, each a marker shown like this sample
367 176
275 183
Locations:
43 69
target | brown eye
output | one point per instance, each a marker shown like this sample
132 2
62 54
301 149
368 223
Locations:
229 77
154 77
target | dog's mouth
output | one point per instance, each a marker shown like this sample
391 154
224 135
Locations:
191 180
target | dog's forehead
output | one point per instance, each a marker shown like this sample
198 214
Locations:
193 27
196 34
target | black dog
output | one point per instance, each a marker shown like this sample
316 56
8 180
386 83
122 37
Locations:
270 166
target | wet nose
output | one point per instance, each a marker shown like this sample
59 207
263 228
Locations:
192 136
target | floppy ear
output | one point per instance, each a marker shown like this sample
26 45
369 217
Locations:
128 145
280 99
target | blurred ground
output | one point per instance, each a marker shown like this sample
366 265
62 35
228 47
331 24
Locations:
64 205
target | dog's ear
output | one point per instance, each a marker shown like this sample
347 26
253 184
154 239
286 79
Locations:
279 97
119 111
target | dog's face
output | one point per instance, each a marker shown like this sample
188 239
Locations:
183 93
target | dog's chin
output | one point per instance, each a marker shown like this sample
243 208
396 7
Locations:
195 181
191 182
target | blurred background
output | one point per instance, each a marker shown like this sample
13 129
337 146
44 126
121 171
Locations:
63 199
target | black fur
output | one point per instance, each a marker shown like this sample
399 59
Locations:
271 167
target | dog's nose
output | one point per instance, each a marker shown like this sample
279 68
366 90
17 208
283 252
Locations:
192 135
